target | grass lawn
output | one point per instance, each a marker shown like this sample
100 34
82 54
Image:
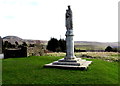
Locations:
30 71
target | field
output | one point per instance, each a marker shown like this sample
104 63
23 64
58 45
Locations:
89 47
30 70
107 56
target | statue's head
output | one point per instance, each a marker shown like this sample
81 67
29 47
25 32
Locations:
68 6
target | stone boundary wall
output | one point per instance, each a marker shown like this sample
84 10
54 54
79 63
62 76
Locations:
13 53
23 52
34 51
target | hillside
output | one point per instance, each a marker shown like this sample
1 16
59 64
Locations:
96 43
13 39
89 45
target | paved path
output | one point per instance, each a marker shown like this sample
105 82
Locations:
1 56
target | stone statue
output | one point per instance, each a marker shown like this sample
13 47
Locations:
69 25
70 60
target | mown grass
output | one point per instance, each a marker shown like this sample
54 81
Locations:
30 70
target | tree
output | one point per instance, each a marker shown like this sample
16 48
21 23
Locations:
24 44
56 45
108 49
31 45
20 46
7 44
53 45
16 44
62 44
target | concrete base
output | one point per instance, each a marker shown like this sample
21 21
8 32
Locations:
77 63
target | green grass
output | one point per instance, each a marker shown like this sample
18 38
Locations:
30 71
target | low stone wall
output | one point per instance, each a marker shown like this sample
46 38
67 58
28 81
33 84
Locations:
34 51
13 53
23 52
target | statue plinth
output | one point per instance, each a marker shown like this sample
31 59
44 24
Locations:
69 45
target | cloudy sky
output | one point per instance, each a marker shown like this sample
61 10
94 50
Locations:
93 20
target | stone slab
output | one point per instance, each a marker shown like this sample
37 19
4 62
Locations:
66 63
69 65
75 62
69 60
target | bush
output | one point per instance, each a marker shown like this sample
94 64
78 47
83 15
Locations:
109 49
56 45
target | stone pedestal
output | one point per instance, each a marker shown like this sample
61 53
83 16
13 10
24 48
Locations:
69 45
77 63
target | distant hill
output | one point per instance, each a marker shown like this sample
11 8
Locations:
83 45
96 43
13 39
89 45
